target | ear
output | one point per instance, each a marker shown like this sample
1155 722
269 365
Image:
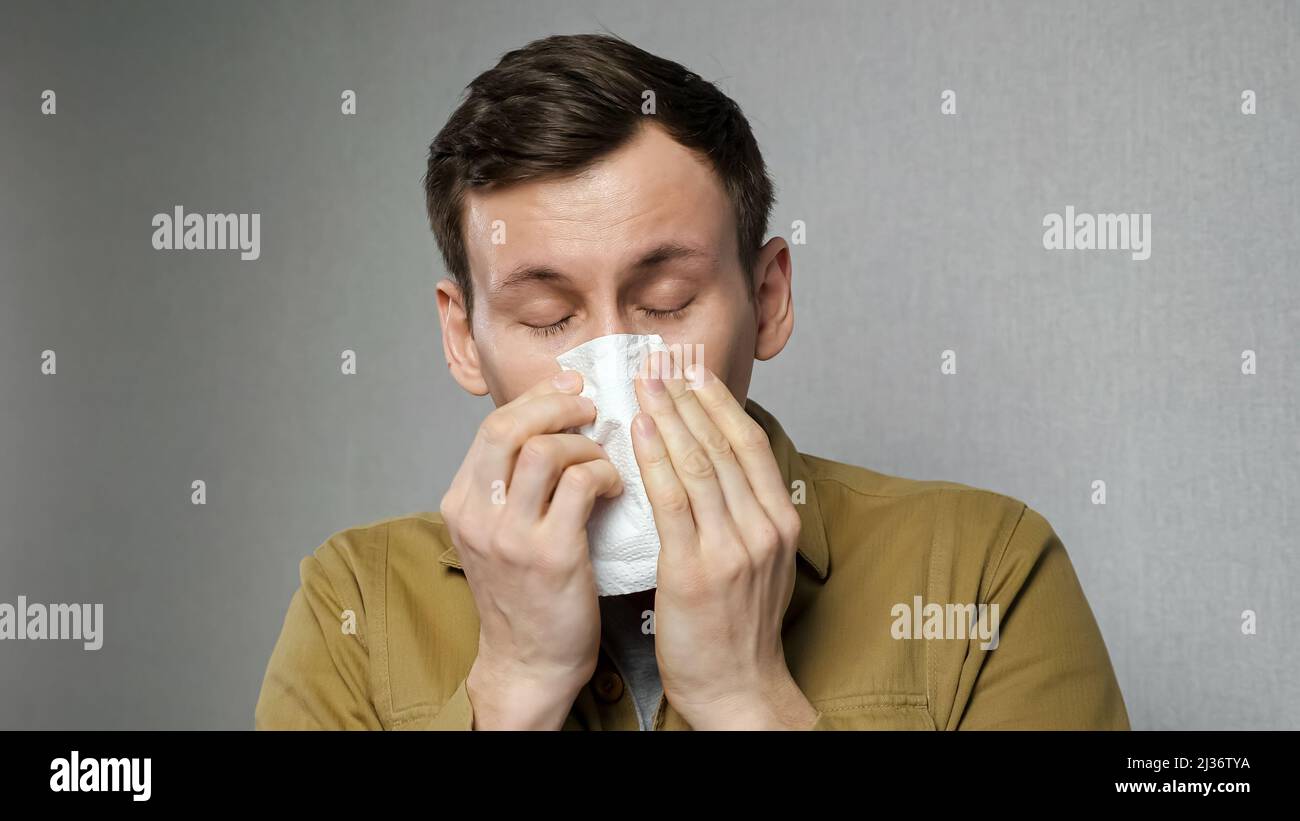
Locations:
773 303
458 344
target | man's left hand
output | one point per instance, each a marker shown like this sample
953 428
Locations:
728 536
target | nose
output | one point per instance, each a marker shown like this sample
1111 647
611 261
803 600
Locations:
610 320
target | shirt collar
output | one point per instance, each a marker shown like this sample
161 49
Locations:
812 533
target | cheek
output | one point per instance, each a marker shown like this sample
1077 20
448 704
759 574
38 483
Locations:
723 341
509 371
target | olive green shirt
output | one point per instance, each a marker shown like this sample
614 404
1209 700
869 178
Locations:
383 630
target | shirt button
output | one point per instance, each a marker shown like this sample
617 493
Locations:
608 686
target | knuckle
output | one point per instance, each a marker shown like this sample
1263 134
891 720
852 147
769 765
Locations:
734 566
675 501
504 544
537 450
715 400
753 437
715 442
766 537
696 463
580 478
447 506
500 427
499 539
657 461
583 404
791 525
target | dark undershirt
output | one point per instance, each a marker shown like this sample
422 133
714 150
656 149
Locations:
625 635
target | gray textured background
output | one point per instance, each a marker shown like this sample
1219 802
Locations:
924 233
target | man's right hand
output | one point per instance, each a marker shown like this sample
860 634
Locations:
517 513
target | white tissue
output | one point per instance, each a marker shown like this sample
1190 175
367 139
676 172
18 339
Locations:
621 534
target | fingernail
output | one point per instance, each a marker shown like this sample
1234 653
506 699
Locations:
654 367
654 385
645 426
669 367
566 380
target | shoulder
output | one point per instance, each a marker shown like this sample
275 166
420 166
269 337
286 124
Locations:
865 482
358 558
901 549
917 534
364 550
374 635
415 612
850 491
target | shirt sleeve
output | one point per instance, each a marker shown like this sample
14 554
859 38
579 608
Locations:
319 673
1049 669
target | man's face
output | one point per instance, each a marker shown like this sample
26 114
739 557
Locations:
643 241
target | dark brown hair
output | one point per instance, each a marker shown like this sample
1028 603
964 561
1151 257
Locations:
557 105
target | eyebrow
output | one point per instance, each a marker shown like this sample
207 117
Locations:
663 252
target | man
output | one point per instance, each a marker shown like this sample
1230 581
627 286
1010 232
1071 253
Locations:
585 187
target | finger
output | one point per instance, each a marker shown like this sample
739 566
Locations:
749 442
748 516
693 467
668 499
508 427
561 382
541 462
577 491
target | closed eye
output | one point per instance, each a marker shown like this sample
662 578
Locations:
549 330
653 313
672 313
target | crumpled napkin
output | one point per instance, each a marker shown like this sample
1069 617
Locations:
621 534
